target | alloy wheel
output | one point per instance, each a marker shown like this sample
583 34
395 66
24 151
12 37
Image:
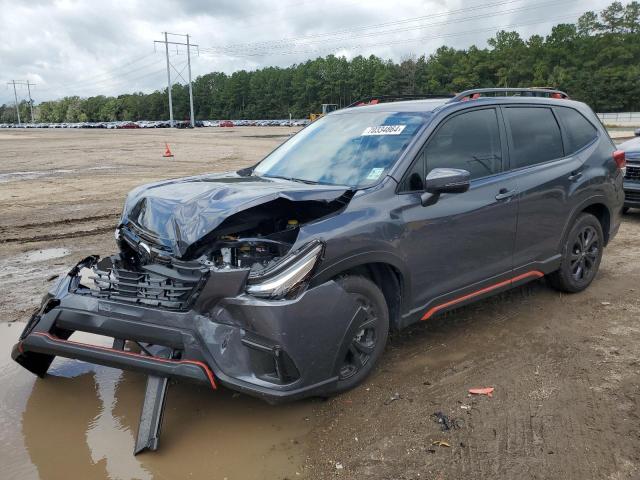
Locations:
363 342
584 254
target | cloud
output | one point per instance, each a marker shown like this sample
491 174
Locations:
84 48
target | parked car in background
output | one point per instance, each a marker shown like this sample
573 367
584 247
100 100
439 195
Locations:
632 175
161 124
127 125
227 123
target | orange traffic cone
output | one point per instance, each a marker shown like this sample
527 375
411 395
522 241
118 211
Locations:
167 152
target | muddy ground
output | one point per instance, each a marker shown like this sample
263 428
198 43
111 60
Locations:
566 368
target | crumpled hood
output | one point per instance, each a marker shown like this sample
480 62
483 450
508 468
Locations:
179 212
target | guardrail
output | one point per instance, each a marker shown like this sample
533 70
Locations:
631 119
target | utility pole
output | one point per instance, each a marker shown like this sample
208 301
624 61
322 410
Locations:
166 43
166 50
190 89
15 95
30 100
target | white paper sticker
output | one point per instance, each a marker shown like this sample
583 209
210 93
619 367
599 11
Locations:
383 130
375 173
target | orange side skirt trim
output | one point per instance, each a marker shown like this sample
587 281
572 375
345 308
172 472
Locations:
433 310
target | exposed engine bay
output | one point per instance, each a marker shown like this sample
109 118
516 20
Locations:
254 239
257 241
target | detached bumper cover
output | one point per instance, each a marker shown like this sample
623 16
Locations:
276 350
47 344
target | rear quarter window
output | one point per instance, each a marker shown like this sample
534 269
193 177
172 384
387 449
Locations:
579 132
535 136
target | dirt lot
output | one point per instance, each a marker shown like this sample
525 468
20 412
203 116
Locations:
566 368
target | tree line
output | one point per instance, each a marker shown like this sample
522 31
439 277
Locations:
595 60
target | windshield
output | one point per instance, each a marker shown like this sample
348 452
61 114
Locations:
354 149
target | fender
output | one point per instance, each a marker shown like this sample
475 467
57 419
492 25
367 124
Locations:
592 200
327 272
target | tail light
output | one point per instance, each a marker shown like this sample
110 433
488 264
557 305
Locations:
620 159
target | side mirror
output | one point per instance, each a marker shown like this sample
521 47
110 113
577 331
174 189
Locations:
444 180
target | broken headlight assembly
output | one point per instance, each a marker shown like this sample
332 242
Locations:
289 277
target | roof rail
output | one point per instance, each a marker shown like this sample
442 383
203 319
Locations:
506 92
394 98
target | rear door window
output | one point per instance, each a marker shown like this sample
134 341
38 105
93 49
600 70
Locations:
535 136
579 132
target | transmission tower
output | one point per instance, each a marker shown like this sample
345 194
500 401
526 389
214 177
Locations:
15 95
166 43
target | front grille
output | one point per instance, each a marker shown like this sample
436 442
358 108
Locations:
134 237
151 285
633 173
632 196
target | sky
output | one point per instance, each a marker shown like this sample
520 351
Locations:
107 48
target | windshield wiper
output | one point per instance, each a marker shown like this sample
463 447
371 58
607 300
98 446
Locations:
292 179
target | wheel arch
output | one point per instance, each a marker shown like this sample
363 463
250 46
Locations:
602 213
597 206
385 270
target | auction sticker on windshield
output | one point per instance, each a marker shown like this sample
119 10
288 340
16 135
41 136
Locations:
383 130
375 173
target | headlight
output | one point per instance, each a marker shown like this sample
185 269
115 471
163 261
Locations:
289 275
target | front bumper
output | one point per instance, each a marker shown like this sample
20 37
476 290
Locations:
277 350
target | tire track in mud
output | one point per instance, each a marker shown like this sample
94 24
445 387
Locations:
39 233
59 236
65 221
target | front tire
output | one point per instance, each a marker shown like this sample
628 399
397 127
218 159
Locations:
364 349
581 255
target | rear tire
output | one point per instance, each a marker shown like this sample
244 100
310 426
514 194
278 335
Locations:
366 347
581 255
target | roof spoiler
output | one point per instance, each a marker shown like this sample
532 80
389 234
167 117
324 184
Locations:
507 92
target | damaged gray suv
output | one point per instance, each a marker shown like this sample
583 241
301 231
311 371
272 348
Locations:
283 280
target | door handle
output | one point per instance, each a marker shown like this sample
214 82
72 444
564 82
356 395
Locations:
503 194
575 175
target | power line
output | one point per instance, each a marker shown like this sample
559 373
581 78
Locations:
372 26
286 8
121 77
96 78
415 39
279 43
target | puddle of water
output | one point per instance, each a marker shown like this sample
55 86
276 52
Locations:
25 277
81 422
